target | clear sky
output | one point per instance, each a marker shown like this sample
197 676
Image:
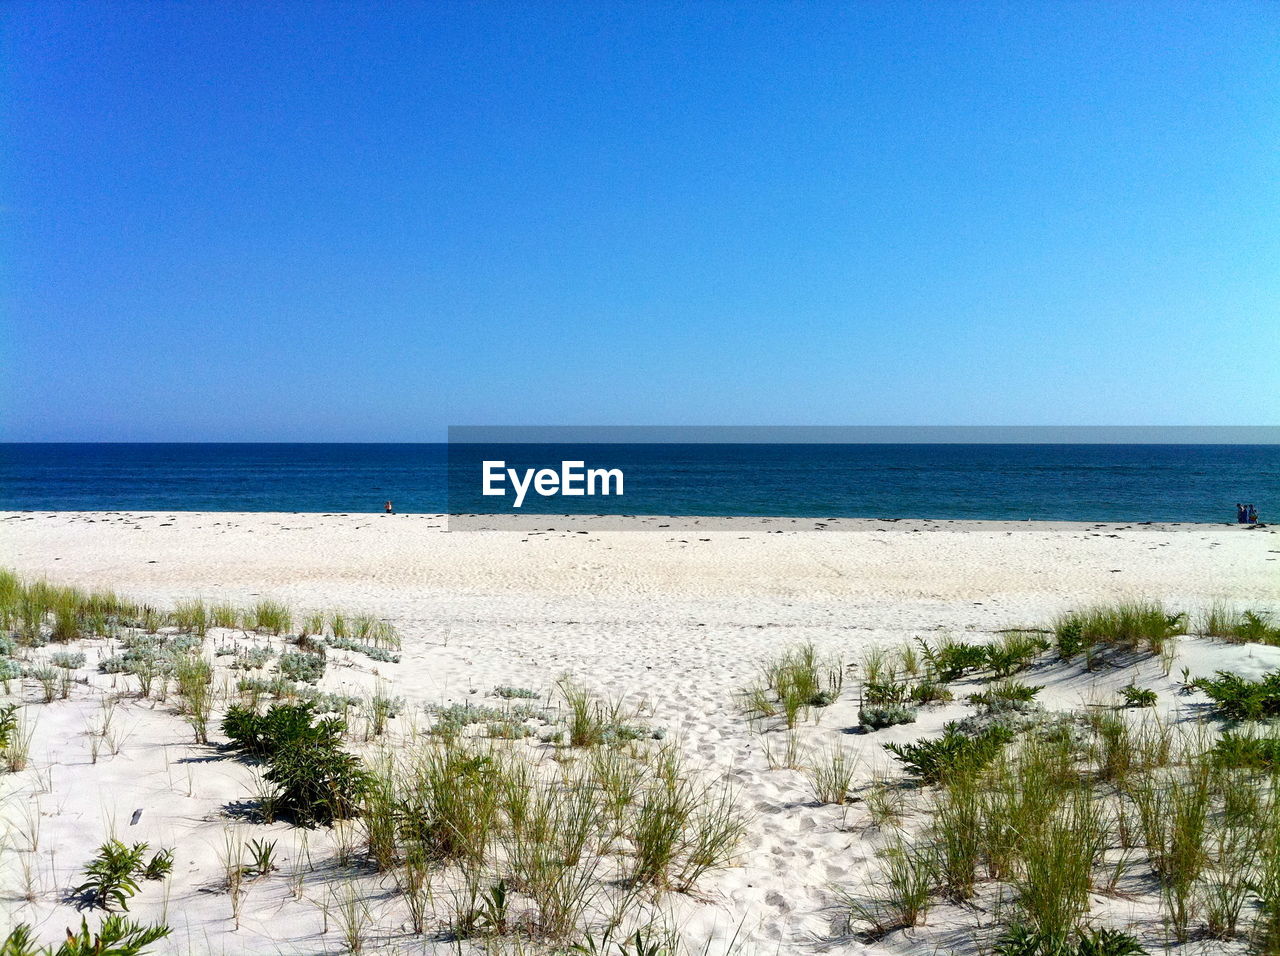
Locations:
365 222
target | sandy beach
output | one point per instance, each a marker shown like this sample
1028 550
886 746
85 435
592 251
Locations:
673 621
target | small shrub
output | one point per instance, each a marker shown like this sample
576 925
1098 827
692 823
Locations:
877 718
951 659
117 936
159 866
1238 750
893 692
1006 695
301 666
1238 699
1135 696
314 781
514 693
111 876
283 726
954 753
315 786
1015 651
1070 634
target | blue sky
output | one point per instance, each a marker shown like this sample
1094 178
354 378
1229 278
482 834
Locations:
366 222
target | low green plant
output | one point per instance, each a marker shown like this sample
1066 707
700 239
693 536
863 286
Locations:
645 941
1135 696
680 830
111 876
261 858
315 786
893 692
1129 626
1236 698
1252 626
313 780
800 680
951 659
1025 941
15 739
831 775
8 724
49 679
900 897
1247 751
957 835
301 666
516 693
449 809
191 616
284 726
194 677
488 914
271 617
593 722
116 936
941 759
1006 695
159 866
225 615
1014 651
890 715
1058 857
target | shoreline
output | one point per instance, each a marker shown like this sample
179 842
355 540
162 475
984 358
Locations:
531 521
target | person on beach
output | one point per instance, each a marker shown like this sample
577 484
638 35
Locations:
1251 515
1241 514
388 508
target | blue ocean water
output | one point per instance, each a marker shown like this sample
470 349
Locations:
1104 482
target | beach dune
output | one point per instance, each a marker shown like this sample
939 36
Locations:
675 620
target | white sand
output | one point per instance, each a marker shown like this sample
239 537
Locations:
676 619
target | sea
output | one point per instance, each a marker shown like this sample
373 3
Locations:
1066 482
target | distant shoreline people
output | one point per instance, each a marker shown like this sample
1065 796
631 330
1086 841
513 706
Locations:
389 508
1251 515
1241 513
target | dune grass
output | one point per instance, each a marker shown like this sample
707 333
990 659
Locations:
1130 626
794 684
1067 806
1239 625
